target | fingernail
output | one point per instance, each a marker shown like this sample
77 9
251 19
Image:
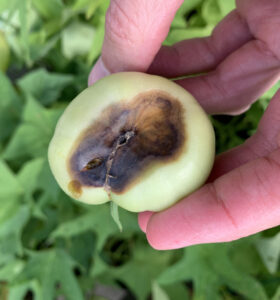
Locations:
98 71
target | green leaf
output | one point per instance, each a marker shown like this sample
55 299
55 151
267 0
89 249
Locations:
96 45
180 19
89 6
23 15
158 293
28 175
10 7
49 9
226 6
268 95
147 263
4 52
99 266
12 220
18 291
47 183
99 220
18 216
5 5
81 4
10 108
269 249
177 291
211 11
178 35
39 49
272 91
276 296
115 214
49 268
77 39
35 113
245 257
8 94
44 86
188 5
10 248
9 184
210 269
11 270
27 141
37 230
31 138
81 248
98 7
93 6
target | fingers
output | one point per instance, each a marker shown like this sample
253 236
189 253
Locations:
264 141
240 203
238 81
263 17
134 32
241 77
252 18
202 54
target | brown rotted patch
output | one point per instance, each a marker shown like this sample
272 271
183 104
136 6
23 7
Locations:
126 140
75 188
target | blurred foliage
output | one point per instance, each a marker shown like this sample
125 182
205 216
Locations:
52 247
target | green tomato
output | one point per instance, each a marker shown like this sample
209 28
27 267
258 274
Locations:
4 53
139 140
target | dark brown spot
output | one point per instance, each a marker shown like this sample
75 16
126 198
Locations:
75 188
126 140
94 163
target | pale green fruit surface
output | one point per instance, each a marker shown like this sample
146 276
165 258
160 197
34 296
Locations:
4 53
161 183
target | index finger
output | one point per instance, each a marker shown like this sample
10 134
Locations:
134 32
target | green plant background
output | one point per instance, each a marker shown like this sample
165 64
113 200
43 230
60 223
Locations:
52 247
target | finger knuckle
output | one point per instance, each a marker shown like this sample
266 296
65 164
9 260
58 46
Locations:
268 49
262 18
120 24
222 203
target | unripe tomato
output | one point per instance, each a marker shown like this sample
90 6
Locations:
139 140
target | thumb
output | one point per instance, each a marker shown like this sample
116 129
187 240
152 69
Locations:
134 32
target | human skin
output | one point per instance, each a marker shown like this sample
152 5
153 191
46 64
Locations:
241 60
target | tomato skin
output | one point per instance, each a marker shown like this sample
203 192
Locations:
163 184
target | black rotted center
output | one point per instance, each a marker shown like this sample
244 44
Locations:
126 140
122 139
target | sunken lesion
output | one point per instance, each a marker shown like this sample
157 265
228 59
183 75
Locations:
128 138
75 188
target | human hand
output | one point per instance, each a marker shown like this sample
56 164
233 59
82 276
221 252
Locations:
242 58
